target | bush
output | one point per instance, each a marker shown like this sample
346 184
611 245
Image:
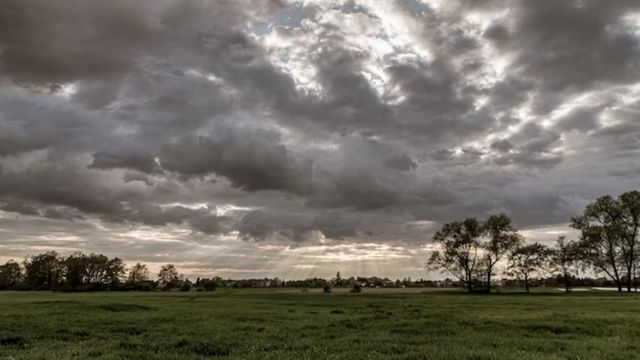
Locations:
209 286
326 289
356 288
186 286
147 287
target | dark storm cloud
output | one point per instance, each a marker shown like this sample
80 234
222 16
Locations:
251 158
314 121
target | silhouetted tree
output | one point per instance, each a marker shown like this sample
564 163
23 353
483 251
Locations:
630 206
44 271
92 272
603 243
10 275
461 249
168 276
138 273
503 238
526 260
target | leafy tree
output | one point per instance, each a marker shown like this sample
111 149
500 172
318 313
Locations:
563 259
526 260
168 276
461 249
604 238
10 275
44 271
76 269
503 238
138 273
94 271
208 284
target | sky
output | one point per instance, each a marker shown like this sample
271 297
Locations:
244 139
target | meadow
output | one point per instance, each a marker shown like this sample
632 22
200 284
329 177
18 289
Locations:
258 324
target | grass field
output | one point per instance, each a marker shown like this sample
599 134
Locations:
295 325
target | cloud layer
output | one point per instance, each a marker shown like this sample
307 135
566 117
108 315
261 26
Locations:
318 125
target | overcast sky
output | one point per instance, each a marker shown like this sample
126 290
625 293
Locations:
294 139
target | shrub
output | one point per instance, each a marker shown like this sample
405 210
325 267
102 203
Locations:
186 286
209 286
326 289
356 288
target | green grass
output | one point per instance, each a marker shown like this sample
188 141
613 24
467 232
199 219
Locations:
296 325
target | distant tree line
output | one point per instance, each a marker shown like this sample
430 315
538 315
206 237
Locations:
471 249
82 272
96 272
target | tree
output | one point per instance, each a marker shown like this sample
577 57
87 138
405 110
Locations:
168 276
603 242
460 243
526 260
92 272
503 238
563 259
44 271
138 273
10 275
76 268
630 206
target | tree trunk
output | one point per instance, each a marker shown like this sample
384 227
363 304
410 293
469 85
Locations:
566 282
489 277
617 278
526 283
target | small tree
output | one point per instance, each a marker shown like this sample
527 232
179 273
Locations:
526 260
563 260
460 243
138 273
326 288
10 275
168 276
356 288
